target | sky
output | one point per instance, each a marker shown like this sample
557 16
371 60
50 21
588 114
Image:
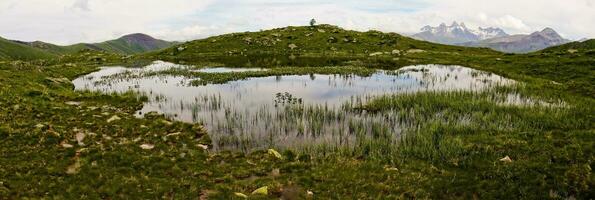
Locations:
73 21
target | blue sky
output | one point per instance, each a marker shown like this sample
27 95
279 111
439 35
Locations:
72 21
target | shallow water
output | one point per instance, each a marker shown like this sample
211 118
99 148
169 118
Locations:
281 111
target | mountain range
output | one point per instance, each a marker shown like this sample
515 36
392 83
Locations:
494 38
457 33
127 45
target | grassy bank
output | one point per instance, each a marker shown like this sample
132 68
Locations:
58 143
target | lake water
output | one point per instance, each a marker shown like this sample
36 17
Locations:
281 111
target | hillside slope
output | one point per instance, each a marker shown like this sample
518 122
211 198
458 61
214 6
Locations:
584 46
128 44
133 44
321 40
10 50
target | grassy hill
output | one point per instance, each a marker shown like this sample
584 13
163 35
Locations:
127 45
133 44
74 144
10 50
574 47
319 40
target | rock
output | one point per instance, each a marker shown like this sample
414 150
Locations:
261 191
310 193
73 103
389 169
147 146
506 159
39 126
66 145
275 153
376 54
113 118
396 52
202 146
248 40
241 195
276 35
181 48
80 136
332 39
415 51
572 51
321 30
174 134
292 46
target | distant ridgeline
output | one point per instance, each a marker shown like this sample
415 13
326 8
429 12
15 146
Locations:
493 38
128 44
321 41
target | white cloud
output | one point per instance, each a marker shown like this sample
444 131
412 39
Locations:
70 21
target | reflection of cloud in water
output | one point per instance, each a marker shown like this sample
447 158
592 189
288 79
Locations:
245 108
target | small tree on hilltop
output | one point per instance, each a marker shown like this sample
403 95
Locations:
312 22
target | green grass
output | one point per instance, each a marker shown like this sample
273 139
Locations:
551 147
14 51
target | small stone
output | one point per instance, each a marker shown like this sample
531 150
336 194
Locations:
292 46
73 103
376 54
202 146
396 52
241 195
310 193
506 159
321 30
388 169
113 118
415 51
66 145
174 134
80 136
261 191
147 146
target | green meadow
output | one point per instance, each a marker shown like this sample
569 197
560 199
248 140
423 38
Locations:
532 139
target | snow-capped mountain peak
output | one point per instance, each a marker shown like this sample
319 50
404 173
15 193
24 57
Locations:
457 33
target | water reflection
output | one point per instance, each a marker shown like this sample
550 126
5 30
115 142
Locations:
284 111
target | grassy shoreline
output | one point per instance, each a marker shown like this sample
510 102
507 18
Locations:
42 119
